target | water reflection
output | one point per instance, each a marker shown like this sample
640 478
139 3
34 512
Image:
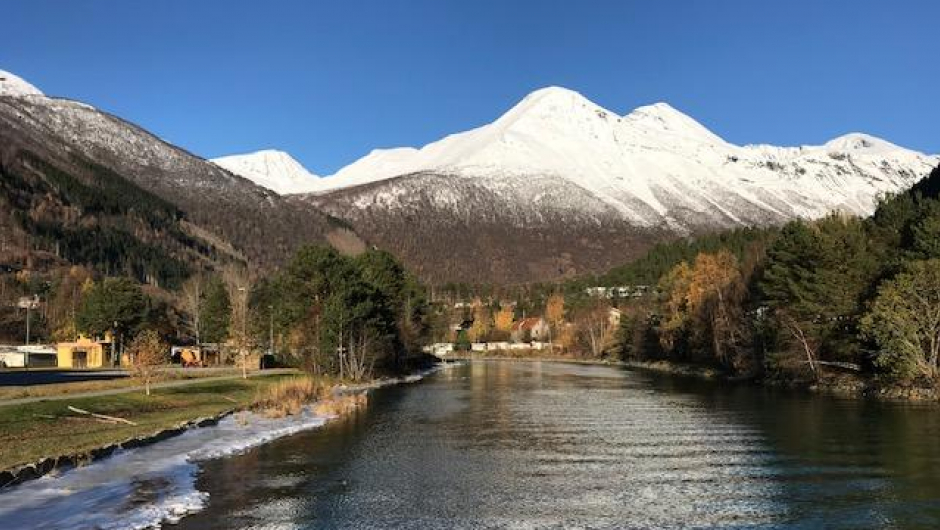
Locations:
539 445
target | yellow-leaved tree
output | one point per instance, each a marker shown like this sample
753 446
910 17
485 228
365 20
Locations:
702 306
481 322
148 353
504 318
555 309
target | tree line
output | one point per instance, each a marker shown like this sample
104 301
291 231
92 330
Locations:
838 294
326 312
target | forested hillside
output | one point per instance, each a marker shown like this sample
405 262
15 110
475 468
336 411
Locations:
86 196
259 225
62 216
839 295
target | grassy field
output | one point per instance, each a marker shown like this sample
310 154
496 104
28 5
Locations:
46 429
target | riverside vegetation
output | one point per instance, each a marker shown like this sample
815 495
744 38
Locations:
814 301
841 302
50 429
337 318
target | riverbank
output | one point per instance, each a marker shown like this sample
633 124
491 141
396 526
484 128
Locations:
665 367
47 435
833 384
38 438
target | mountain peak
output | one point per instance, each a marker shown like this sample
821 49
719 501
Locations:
274 169
856 141
13 85
554 108
663 117
554 97
554 93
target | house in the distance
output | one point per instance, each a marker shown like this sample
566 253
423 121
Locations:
621 291
86 353
529 329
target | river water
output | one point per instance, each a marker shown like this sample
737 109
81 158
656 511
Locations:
547 445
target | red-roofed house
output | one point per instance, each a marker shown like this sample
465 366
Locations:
529 329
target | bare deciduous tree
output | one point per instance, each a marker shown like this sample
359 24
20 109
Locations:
595 325
192 294
148 354
359 358
238 283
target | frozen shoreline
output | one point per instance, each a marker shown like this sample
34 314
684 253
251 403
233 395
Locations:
147 486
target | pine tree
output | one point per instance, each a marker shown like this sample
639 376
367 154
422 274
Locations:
115 304
216 312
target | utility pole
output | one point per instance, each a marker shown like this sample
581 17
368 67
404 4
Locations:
271 331
243 303
28 304
115 346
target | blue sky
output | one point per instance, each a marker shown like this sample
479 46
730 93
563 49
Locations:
329 81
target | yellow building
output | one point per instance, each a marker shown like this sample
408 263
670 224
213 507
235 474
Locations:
85 353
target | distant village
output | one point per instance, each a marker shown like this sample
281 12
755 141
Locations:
589 327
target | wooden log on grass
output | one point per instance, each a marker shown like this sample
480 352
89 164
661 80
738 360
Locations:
101 416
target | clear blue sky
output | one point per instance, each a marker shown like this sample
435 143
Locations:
329 81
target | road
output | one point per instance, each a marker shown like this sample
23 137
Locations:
47 376
139 388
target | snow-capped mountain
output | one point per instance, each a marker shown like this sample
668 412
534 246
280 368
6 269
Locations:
555 186
275 170
13 85
238 217
559 185
655 165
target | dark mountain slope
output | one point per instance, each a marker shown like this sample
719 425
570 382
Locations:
223 208
451 229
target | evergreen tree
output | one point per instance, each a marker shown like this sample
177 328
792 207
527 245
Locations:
904 322
819 274
115 304
381 270
216 312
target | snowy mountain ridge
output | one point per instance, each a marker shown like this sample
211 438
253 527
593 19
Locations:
275 170
655 165
13 85
556 186
242 218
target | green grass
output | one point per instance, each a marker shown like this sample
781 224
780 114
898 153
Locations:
34 431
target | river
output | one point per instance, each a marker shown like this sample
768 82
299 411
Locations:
549 445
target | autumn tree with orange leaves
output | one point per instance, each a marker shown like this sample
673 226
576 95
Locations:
703 308
481 322
502 322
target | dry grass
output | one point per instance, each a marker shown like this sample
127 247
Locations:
337 406
47 428
289 396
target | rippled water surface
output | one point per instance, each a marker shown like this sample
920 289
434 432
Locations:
539 445
524 445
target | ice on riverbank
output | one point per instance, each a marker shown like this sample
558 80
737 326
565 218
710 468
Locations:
145 487
142 487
